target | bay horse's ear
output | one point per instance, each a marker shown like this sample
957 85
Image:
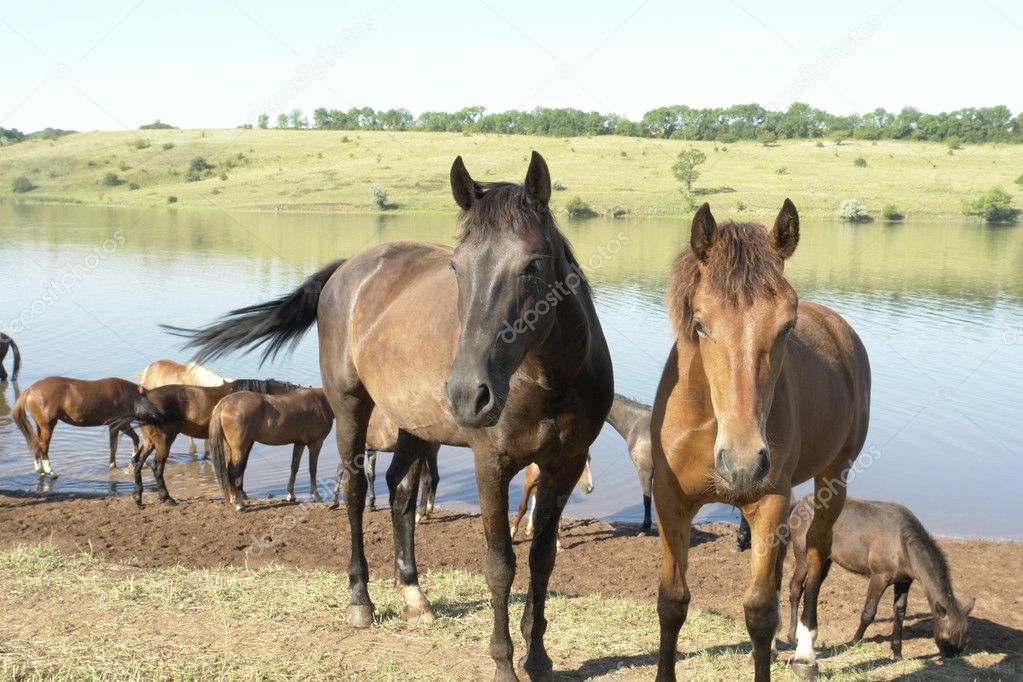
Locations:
538 180
705 230
465 190
786 229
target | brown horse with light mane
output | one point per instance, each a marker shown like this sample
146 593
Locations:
301 418
168 372
760 392
493 345
77 402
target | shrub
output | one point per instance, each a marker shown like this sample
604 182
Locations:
860 162
21 185
140 144
133 185
198 168
379 195
223 176
954 143
728 138
577 208
892 213
167 145
111 180
156 125
994 205
818 143
123 166
172 199
740 206
766 138
781 170
557 186
1019 180
853 211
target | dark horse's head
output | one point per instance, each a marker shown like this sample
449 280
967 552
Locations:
510 264
729 295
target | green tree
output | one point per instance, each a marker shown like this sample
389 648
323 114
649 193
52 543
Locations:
263 120
297 120
282 121
685 165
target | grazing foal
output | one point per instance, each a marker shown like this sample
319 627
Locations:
760 392
631 419
887 543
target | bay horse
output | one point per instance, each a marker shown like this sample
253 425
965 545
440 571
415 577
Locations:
494 345
887 543
6 342
103 402
163 413
166 372
530 483
760 392
382 436
302 418
631 419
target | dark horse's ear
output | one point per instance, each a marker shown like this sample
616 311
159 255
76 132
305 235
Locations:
705 230
463 187
538 180
969 606
939 609
786 229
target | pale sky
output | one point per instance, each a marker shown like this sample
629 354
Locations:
117 64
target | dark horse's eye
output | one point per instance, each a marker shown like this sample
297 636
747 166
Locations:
451 264
534 268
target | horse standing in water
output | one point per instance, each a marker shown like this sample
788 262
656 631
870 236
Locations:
631 419
168 372
103 402
301 418
6 342
494 345
760 392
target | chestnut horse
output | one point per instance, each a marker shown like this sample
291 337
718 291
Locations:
301 418
164 412
760 392
530 482
493 345
382 436
104 402
167 372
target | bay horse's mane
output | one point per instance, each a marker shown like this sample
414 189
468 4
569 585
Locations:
263 386
504 207
741 264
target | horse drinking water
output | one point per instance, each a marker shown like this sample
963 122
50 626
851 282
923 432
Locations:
760 392
493 345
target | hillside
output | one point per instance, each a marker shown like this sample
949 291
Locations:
334 170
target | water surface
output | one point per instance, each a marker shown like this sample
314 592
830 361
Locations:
938 305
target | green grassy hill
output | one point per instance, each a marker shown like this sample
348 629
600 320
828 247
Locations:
334 170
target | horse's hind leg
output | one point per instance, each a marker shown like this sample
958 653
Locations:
875 590
828 500
901 598
371 478
428 485
159 464
796 584
191 446
403 485
45 432
296 459
114 433
138 460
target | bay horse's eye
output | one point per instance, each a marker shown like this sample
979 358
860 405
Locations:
700 329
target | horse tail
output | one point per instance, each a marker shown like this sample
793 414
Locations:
278 323
215 445
145 412
20 416
17 359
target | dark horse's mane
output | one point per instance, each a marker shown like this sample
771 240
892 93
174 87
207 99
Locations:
915 536
741 264
505 207
263 386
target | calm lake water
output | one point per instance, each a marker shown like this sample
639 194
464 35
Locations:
939 306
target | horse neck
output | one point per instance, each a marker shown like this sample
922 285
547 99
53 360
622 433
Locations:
626 416
931 571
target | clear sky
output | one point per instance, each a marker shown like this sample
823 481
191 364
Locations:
213 63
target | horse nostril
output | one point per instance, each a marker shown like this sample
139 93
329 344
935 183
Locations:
483 399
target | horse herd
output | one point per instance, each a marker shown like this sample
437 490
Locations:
422 345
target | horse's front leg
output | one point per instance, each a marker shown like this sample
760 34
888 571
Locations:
314 460
492 480
137 461
296 459
114 432
552 493
403 484
159 464
829 498
675 514
767 519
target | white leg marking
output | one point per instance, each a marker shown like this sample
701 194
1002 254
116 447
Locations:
532 512
805 638
46 467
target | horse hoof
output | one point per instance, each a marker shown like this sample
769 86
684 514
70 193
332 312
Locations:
334 505
544 672
138 502
418 615
291 498
317 497
112 466
805 671
170 501
359 616
419 517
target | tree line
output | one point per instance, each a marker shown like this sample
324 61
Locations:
730 124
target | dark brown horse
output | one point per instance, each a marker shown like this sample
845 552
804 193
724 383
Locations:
164 412
301 418
494 345
887 543
104 402
6 342
760 392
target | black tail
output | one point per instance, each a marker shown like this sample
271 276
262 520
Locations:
277 323
145 412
